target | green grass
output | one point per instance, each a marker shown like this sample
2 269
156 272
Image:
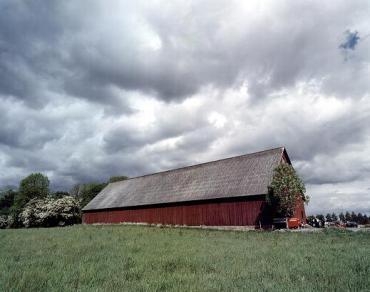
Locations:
137 258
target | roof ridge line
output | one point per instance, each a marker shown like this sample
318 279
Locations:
203 163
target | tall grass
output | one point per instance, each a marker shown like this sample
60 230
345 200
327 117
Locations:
137 258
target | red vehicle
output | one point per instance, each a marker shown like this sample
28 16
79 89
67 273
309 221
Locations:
294 223
290 223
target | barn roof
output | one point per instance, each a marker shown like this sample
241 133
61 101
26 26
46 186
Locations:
244 175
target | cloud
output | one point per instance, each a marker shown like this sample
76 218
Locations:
340 197
135 87
158 50
351 41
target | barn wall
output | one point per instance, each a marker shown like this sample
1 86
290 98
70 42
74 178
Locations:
240 212
300 211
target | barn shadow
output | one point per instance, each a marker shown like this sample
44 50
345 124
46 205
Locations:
264 218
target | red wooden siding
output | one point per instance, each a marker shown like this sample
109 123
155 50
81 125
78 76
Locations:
239 212
299 211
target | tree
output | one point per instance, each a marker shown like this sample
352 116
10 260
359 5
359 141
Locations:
59 194
117 178
285 190
36 185
88 192
328 218
348 216
360 218
334 217
6 201
342 217
75 190
366 219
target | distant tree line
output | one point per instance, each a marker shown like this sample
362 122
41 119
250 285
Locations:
33 204
359 218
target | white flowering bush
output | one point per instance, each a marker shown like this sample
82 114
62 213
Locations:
3 222
51 212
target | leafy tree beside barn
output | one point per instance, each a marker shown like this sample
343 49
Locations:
285 190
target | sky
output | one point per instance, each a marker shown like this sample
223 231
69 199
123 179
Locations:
93 89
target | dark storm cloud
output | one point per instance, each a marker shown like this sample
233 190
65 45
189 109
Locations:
333 172
147 73
26 128
306 138
331 137
23 160
28 38
59 47
35 59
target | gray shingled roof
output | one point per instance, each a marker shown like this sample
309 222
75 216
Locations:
244 175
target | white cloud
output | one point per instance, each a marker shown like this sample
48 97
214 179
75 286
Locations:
217 120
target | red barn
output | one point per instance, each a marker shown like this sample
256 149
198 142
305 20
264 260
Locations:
226 192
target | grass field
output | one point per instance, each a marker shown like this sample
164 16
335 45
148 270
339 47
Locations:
137 258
